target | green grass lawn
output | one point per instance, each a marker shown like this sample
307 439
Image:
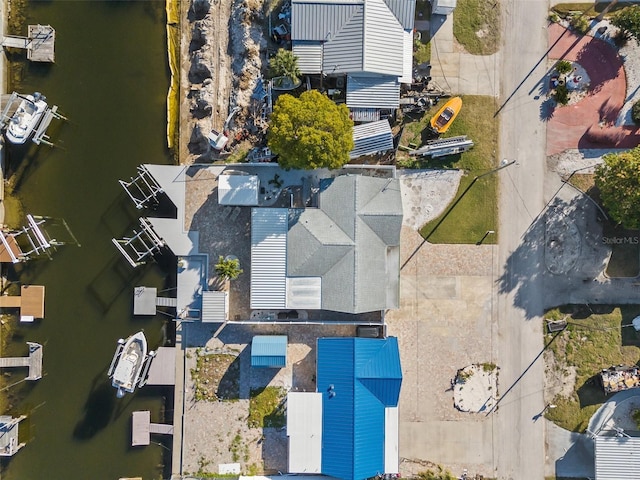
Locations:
589 9
476 25
476 212
590 343
266 407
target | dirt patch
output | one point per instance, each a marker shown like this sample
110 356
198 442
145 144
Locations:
216 377
222 52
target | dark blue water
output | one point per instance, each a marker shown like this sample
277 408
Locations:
110 79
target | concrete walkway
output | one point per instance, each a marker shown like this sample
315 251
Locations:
456 71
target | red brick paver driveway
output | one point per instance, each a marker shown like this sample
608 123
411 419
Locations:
589 122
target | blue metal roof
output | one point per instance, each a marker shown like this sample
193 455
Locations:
269 351
358 379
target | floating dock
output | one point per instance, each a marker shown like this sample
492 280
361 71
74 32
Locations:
39 43
145 301
33 361
142 428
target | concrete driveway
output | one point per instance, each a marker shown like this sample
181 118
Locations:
445 323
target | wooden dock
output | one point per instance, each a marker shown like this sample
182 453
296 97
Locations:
30 302
33 361
142 428
39 43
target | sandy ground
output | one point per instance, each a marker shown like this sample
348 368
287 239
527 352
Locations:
222 53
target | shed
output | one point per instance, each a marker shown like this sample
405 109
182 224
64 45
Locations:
269 351
371 138
238 189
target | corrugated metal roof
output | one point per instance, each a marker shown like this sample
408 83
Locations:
344 50
404 11
617 458
353 420
407 54
269 257
309 56
269 351
238 190
304 429
373 92
358 36
321 19
365 114
383 40
215 306
370 138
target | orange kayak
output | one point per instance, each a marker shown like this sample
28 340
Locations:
443 119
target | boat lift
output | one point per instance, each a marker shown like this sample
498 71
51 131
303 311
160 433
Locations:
143 188
39 131
141 245
30 241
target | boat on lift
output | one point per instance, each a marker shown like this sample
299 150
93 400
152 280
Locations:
130 364
444 117
26 118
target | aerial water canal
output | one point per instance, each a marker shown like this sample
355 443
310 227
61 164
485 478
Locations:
110 79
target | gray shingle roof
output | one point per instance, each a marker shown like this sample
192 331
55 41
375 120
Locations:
350 241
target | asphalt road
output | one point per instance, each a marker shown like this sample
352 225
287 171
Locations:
518 439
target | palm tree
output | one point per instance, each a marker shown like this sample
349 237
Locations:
285 64
228 268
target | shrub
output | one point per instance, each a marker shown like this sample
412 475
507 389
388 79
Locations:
562 94
580 23
553 17
563 67
635 112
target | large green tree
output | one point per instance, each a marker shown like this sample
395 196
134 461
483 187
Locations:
628 20
618 180
310 132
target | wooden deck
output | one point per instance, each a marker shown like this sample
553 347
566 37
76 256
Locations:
39 43
33 361
30 302
42 43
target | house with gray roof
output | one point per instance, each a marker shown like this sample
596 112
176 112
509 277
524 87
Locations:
368 44
343 256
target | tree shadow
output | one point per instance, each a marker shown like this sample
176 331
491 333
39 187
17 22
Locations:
559 255
601 62
591 392
547 109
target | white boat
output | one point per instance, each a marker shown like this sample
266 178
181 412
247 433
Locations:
130 364
26 118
